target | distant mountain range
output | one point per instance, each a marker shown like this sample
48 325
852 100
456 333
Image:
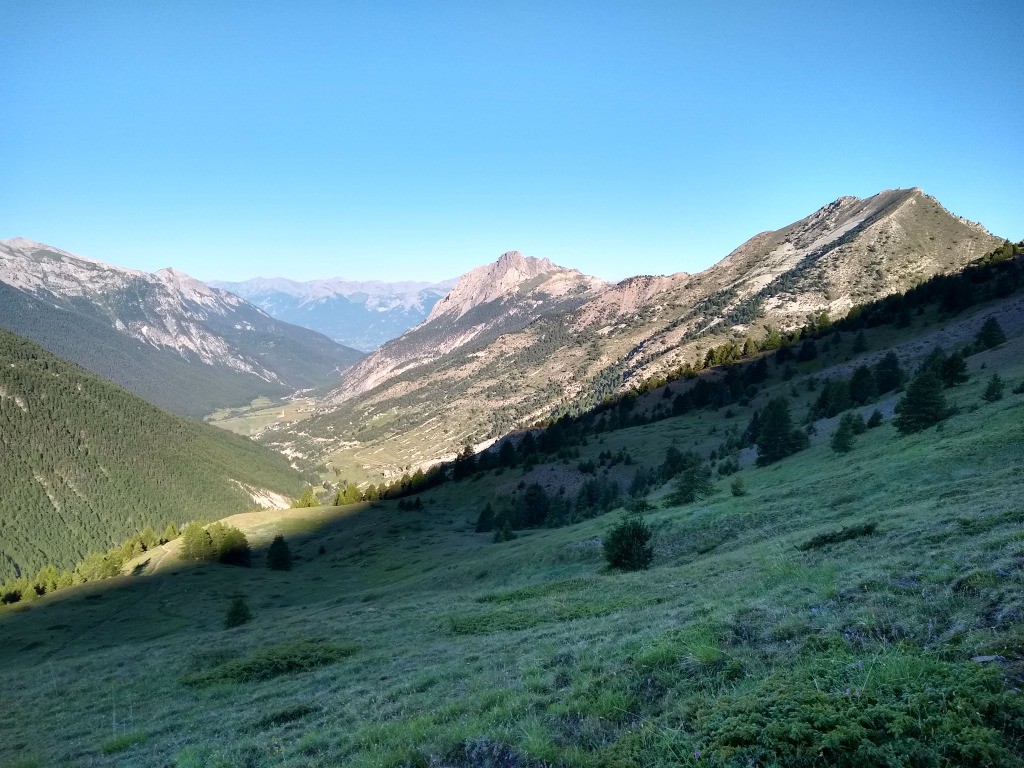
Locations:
517 340
362 315
165 336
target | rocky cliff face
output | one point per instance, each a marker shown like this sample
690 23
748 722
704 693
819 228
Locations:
477 369
157 333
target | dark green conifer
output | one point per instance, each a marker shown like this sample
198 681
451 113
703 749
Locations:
279 556
991 335
923 405
994 389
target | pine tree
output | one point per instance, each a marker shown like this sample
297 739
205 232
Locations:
196 543
991 335
860 343
994 390
923 405
953 370
307 499
627 546
776 436
170 533
279 556
862 386
889 374
485 520
842 438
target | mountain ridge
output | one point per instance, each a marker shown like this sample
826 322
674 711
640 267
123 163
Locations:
166 336
479 386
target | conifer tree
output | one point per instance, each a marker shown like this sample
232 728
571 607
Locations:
776 436
485 520
842 438
862 386
953 370
991 335
307 499
279 556
889 374
994 390
196 543
923 405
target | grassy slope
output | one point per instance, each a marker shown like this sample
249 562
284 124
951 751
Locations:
87 464
533 646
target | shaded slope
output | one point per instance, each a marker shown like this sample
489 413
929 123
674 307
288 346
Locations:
85 463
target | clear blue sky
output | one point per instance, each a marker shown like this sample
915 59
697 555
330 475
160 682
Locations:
404 140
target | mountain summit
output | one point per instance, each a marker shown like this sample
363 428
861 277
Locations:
486 303
512 274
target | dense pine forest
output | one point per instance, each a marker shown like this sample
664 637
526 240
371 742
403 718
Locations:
87 465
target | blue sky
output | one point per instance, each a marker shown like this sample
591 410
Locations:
401 140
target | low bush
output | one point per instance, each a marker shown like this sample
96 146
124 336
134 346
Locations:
274 661
627 546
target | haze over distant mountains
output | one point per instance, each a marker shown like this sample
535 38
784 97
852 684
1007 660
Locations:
165 336
359 314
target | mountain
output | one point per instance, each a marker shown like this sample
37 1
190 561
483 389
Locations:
484 304
481 366
359 314
164 336
86 463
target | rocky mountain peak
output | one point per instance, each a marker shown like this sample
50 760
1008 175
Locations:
507 277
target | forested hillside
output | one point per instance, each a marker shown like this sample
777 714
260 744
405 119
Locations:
86 464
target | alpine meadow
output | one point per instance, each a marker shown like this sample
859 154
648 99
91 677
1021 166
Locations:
558 385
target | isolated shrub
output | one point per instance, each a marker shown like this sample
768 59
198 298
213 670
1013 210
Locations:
238 613
994 389
874 419
505 532
1019 389
860 343
279 556
991 335
627 546
923 405
737 487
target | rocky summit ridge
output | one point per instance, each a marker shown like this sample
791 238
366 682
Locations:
481 366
